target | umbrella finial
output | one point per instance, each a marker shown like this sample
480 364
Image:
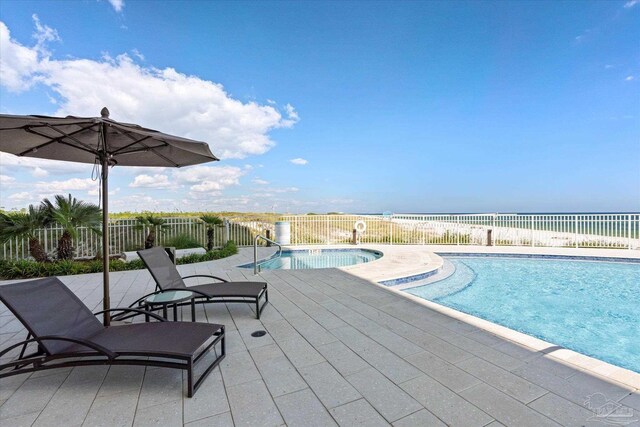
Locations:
104 113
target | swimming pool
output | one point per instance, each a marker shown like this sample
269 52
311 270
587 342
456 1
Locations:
588 307
318 258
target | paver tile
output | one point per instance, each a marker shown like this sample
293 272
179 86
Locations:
238 369
166 414
303 408
251 405
330 387
113 409
565 412
220 420
444 403
420 418
388 399
211 399
279 375
343 358
446 373
503 380
504 408
32 396
358 413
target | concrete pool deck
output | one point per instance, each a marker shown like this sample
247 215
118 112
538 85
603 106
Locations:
340 350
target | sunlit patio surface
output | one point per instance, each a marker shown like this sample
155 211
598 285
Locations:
339 350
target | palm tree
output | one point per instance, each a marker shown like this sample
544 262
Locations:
156 226
211 222
25 224
71 213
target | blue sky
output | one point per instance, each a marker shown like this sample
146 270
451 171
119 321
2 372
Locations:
340 106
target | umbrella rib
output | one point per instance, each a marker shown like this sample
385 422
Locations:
51 141
71 137
146 147
121 150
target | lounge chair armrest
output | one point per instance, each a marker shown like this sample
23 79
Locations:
206 275
97 347
136 312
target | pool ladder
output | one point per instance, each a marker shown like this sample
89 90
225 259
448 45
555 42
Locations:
256 266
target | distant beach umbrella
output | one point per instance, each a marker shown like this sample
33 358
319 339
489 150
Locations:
101 141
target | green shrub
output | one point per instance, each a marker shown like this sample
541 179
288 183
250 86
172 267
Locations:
26 269
183 241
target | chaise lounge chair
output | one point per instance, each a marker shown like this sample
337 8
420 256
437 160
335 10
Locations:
68 334
167 277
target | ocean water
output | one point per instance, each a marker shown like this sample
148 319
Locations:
589 307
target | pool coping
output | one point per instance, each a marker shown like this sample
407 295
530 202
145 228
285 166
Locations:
552 351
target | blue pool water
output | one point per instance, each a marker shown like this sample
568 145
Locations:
318 258
590 307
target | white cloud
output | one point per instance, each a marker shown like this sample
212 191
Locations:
629 4
209 178
142 202
17 63
151 181
299 161
284 190
628 78
137 54
20 197
73 184
210 187
7 180
96 192
40 168
38 191
199 179
259 181
164 99
117 5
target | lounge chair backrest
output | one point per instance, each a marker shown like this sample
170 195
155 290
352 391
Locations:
162 269
47 307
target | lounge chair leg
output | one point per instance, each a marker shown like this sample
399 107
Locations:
216 362
266 301
190 379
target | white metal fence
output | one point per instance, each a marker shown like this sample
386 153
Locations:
554 230
126 235
557 230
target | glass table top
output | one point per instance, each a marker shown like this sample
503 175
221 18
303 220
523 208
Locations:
169 297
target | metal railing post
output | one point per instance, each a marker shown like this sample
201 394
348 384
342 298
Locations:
532 243
256 270
629 230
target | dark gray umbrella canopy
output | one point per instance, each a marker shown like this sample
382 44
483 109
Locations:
98 140
77 139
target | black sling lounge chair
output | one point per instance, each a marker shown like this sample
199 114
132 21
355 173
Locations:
68 334
167 277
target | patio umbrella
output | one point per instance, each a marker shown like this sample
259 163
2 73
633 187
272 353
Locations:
101 141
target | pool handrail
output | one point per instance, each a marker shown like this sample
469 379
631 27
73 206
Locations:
256 267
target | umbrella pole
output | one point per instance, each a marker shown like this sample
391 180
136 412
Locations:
106 302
